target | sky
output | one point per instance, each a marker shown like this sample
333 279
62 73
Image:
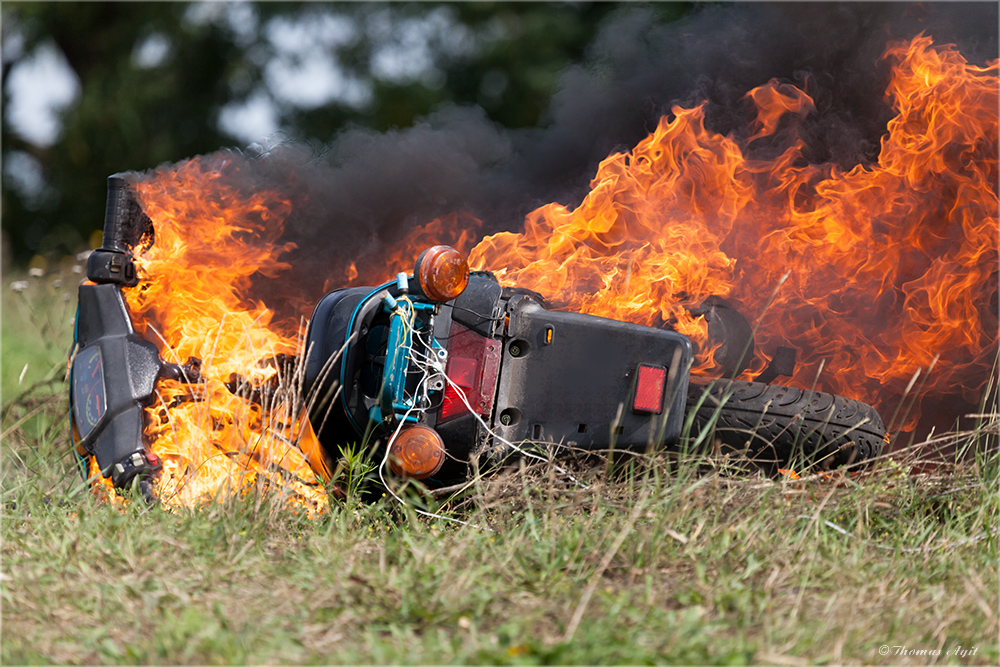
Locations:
40 86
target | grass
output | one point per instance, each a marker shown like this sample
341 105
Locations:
656 563
36 329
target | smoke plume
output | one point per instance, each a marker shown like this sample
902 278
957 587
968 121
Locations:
371 188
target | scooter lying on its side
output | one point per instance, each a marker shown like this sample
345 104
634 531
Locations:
446 366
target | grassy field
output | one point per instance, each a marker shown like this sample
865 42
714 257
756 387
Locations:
658 563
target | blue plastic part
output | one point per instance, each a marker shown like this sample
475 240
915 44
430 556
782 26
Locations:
392 396
81 464
396 359
402 283
76 339
80 460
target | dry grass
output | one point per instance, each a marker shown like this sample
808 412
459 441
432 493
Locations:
654 561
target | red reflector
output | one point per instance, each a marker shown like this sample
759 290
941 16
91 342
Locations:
649 389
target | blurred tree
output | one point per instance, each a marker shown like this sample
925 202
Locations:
505 57
129 114
159 82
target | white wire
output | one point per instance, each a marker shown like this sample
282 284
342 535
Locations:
399 428
381 467
497 436
465 401
429 367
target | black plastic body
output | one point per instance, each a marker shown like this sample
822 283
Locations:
325 354
569 379
130 366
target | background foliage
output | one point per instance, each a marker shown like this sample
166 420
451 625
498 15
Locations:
160 82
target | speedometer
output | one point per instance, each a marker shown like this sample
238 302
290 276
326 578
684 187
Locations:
89 395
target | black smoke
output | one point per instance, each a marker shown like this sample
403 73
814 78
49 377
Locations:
368 189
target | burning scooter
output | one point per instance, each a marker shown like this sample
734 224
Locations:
446 367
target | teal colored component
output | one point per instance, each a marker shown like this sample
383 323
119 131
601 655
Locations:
397 359
392 398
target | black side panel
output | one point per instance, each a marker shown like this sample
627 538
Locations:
324 340
102 312
129 367
327 332
478 306
570 378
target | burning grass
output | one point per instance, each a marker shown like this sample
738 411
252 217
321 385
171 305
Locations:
655 561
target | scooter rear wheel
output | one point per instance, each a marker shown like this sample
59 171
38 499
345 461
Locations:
786 427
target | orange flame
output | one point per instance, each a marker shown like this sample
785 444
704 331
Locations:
877 273
459 230
211 239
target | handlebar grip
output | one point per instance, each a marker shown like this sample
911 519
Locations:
117 214
125 224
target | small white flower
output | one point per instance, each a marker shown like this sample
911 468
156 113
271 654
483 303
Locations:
19 285
83 256
36 273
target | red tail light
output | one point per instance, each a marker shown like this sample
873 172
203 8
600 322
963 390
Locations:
452 405
649 388
463 373
473 365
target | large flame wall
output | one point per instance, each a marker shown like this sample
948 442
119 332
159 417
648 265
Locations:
877 273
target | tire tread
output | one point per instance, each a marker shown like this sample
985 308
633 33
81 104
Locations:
781 426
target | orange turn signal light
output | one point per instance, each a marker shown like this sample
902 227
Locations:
417 452
443 273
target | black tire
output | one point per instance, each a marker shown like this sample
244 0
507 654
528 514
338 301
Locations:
786 427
